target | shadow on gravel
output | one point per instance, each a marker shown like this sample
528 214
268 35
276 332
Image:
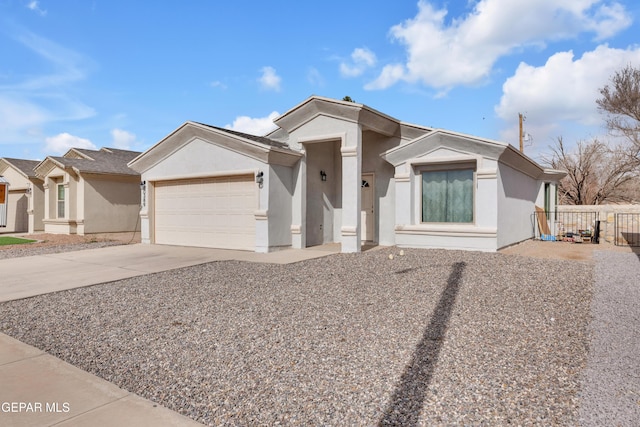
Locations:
408 398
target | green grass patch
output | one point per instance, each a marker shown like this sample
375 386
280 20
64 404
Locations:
8 240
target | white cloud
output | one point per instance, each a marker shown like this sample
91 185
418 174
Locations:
43 97
362 58
463 50
254 126
35 6
608 20
269 80
122 139
562 91
62 142
390 75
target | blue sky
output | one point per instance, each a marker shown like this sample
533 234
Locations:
80 73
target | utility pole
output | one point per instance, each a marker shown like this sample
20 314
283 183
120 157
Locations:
521 119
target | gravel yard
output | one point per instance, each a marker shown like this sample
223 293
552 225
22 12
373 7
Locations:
429 338
57 243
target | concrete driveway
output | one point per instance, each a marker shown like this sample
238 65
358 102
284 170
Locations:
40 274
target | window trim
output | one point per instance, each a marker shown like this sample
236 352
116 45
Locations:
58 200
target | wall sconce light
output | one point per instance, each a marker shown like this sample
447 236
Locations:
143 188
323 175
28 191
260 178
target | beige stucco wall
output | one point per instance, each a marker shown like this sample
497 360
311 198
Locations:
372 146
53 224
111 204
18 203
93 203
280 181
36 207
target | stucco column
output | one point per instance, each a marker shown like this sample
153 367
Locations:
404 201
299 205
351 151
47 199
146 189
261 215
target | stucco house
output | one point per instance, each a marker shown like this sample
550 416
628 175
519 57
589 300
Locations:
336 171
25 208
90 191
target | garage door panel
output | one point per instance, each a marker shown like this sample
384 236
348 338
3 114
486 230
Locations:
210 212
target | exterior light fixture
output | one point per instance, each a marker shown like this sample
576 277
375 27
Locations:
143 188
323 175
259 178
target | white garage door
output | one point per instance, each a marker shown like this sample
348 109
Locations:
207 212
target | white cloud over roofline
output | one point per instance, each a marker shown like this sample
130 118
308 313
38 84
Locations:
62 142
443 53
564 89
122 139
254 125
361 59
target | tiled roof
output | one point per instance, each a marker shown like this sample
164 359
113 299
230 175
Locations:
254 138
104 161
25 166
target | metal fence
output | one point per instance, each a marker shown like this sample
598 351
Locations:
627 229
566 226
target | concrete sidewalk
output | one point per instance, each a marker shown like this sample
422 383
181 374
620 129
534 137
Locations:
39 389
41 274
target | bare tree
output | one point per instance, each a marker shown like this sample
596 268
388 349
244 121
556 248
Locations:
595 173
621 103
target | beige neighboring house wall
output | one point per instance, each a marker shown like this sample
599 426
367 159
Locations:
90 191
26 196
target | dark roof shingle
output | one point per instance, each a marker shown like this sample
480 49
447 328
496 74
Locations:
25 166
104 161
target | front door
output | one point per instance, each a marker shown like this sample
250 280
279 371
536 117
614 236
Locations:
367 214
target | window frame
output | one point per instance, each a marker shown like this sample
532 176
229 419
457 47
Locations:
63 200
441 167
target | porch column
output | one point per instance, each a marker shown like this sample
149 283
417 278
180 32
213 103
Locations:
299 204
146 191
351 151
261 215
47 199
404 202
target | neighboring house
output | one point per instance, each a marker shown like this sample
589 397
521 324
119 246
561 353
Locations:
90 191
338 171
25 209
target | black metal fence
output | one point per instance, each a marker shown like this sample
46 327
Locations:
566 226
627 229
